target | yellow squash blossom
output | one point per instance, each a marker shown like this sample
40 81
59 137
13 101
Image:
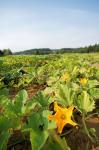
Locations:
83 81
62 116
65 77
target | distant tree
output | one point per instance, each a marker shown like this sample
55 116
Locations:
37 52
1 53
7 52
89 49
96 48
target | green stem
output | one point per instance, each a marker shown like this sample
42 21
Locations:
91 115
85 128
66 133
58 139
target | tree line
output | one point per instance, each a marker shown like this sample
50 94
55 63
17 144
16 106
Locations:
5 52
42 51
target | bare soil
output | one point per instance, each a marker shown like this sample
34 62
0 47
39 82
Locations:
31 90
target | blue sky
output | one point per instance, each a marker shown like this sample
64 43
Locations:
26 24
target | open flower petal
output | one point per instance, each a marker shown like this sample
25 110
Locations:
62 116
70 110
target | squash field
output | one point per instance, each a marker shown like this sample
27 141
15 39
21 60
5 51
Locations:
49 102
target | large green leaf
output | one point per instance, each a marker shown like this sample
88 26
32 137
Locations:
5 123
65 95
37 121
10 110
4 136
38 133
49 124
20 101
94 92
41 99
85 103
38 139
